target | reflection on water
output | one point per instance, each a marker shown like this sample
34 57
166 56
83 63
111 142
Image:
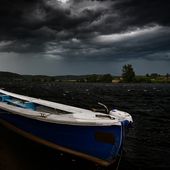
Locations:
147 143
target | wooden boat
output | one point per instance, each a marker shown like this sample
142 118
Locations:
94 136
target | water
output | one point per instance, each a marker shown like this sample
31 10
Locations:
147 145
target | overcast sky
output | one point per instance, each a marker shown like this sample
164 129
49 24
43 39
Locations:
59 37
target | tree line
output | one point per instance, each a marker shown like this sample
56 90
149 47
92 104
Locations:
128 75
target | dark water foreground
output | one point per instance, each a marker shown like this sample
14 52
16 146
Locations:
147 145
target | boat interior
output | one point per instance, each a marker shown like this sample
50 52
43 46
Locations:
30 105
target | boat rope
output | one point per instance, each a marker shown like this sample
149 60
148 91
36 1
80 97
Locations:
119 162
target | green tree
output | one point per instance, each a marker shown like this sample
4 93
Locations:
92 78
167 77
147 75
106 78
128 73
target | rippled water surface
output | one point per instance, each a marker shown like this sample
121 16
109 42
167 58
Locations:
147 144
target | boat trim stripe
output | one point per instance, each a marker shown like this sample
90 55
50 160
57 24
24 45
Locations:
55 146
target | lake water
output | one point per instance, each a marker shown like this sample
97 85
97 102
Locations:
147 144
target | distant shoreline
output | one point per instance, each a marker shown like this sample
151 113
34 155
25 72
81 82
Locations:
9 77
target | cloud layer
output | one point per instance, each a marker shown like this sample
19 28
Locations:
86 29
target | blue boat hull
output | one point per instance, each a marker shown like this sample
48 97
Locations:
100 144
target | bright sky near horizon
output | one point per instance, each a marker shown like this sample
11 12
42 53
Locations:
59 37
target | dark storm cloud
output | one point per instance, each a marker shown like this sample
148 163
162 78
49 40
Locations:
40 21
22 19
149 43
12 20
92 29
145 11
